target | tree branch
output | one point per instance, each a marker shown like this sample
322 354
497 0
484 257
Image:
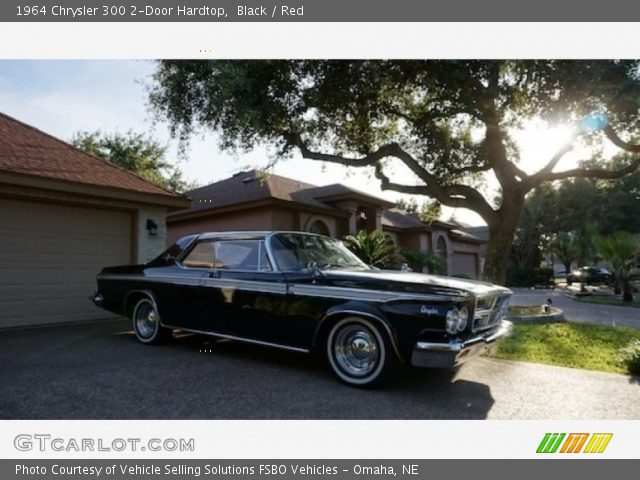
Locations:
618 142
541 175
599 173
457 196
547 174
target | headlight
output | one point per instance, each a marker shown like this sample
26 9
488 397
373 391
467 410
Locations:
463 318
451 322
456 320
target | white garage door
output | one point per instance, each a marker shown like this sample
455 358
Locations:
49 256
464 264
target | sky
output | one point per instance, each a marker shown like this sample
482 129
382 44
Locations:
63 97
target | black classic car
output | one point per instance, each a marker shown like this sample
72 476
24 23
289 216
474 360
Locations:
306 292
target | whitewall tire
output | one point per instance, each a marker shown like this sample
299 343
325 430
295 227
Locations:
146 323
359 353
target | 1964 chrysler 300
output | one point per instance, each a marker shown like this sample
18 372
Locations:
306 292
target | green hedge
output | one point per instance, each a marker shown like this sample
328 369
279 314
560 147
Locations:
529 277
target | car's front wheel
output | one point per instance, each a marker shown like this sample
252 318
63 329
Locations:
359 353
146 323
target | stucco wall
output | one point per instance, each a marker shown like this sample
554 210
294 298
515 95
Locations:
241 220
150 246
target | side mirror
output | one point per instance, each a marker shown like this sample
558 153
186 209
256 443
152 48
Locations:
315 271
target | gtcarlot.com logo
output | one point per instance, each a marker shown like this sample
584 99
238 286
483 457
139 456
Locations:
47 443
574 443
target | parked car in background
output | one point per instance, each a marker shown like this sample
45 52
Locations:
590 276
306 293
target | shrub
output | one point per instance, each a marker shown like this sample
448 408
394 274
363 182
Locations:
374 248
630 357
529 277
418 259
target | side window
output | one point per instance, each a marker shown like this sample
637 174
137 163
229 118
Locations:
241 255
200 257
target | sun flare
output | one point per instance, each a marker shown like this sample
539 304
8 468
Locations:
538 142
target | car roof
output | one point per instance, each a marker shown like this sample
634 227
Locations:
249 234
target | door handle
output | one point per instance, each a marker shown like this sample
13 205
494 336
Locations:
214 274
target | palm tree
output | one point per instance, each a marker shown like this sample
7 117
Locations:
563 246
374 248
620 249
585 243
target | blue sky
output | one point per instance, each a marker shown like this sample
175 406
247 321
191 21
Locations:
63 97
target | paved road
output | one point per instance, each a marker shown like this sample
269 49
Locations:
98 371
580 312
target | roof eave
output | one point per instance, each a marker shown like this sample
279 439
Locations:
172 202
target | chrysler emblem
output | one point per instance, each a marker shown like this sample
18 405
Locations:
428 310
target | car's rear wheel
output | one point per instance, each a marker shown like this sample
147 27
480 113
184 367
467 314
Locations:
146 323
359 353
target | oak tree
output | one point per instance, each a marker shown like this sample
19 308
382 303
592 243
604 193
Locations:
448 122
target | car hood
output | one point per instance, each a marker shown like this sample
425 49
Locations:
393 280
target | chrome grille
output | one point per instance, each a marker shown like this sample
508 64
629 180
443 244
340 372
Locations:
490 309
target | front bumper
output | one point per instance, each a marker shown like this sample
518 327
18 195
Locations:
454 353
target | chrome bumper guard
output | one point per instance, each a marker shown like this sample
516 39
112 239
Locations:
97 299
454 353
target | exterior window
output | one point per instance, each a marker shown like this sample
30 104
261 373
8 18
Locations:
319 227
242 255
200 257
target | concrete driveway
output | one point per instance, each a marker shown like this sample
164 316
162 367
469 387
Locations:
610 315
98 371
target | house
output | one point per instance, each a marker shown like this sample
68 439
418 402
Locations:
254 200
64 215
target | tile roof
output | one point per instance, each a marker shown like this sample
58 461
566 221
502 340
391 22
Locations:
254 185
29 151
394 218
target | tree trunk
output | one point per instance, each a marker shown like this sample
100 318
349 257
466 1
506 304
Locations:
501 236
627 295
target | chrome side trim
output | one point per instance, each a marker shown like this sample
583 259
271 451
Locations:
249 285
239 339
367 295
342 293
361 314
161 279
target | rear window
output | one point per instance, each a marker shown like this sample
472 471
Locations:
201 256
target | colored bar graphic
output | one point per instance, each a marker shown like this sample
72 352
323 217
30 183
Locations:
550 442
574 442
597 442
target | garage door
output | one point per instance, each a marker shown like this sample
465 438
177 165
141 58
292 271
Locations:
49 256
464 264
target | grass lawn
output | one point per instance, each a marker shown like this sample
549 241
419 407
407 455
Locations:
577 345
602 300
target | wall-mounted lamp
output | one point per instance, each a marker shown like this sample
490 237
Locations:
152 227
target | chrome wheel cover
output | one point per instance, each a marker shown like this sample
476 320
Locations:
356 350
146 320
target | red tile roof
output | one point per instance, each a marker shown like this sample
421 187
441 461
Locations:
29 151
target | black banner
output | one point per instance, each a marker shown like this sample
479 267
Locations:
317 11
308 469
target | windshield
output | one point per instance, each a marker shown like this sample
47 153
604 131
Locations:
298 251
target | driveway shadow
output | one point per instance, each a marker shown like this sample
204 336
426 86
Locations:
99 371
